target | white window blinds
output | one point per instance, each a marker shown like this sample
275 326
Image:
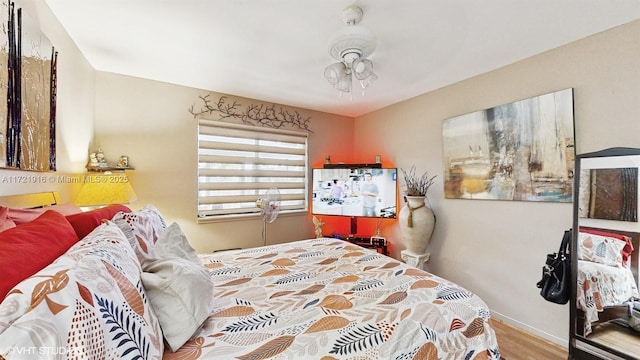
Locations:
237 164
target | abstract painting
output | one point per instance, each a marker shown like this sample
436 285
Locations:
4 81
518 151
28 96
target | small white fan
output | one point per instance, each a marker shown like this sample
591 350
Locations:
269 206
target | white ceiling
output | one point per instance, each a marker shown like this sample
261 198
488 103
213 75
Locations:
276 50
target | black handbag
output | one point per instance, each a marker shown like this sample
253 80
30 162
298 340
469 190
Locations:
555 285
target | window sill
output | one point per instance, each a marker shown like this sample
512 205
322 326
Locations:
243 217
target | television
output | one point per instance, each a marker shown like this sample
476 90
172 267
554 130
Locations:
355 192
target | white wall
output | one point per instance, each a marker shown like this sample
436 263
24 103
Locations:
497 248
75 108
149 121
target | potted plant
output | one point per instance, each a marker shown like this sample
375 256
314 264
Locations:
417 220
417 185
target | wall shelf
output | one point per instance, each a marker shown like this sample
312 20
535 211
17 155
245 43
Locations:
107 168
353 166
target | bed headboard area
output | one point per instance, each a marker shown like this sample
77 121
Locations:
30 201
635 242
36 228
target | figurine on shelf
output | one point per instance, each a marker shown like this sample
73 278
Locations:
102 162
93 160
318 226
123 162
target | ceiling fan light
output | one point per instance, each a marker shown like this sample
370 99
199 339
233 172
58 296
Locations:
368 80
362 68
345 83
334 72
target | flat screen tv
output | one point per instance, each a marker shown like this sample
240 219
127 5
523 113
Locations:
355 192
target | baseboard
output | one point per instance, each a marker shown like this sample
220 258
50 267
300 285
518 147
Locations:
533 331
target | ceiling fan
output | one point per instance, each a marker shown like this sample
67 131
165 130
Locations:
351 46
269 206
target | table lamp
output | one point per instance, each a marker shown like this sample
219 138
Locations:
105 189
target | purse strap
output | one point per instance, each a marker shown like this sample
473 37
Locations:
565 244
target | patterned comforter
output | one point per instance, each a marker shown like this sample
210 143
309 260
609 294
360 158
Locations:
600 286
329 299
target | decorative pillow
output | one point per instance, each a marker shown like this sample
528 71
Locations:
626 251
87 304
173 243
142 228
179 287
600 249
27 248
21 216
84 222
5 222
181 295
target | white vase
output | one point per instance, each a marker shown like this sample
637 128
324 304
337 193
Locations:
417 221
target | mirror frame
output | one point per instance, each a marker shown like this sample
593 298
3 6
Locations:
580 347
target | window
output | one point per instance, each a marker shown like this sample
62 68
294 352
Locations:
239 163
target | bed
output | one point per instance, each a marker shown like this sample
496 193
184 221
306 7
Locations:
133 288
606 278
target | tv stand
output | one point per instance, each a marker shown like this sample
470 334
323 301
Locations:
377 243
351 166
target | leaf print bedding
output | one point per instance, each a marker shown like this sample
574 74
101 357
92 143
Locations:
88 304
329 299
601 286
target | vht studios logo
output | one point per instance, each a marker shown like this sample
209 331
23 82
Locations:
45 350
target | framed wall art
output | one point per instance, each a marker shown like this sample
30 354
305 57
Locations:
609 194
28 95
518 151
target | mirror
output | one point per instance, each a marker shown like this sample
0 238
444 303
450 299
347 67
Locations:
605 303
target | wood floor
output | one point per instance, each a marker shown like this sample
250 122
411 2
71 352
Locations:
517 344
617 337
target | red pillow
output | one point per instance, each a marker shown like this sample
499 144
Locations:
85 222
21 216
5 222
28 248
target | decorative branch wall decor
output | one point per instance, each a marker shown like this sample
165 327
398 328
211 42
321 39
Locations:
259 115
27 123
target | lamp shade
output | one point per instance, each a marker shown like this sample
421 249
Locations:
105 189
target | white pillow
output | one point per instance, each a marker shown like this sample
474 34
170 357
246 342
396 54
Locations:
181 295
179 287
173 243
